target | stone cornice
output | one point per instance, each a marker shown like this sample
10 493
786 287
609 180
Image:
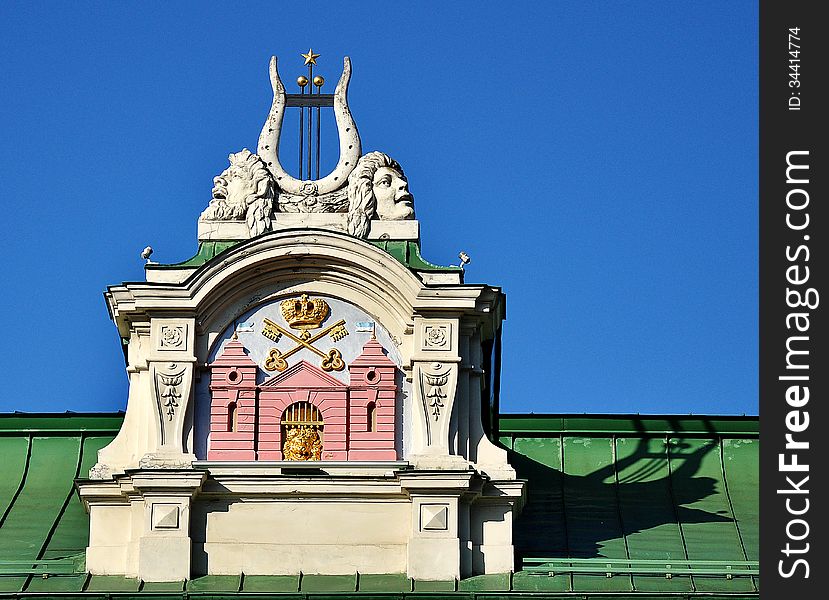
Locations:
315 255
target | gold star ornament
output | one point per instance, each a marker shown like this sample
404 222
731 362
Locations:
310 58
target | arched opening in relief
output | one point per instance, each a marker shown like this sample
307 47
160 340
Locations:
232 417
371 416
302 431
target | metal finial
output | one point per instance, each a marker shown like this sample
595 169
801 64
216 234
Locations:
310 57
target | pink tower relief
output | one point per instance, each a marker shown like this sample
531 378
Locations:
354 421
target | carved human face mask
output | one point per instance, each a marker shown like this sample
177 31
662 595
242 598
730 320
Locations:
391 190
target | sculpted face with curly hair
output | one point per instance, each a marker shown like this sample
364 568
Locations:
245 190
377 189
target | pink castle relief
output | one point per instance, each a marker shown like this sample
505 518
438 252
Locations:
302 413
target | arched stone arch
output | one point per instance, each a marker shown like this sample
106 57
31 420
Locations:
357 270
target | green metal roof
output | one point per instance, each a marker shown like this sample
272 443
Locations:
206 252
406 252
689 425
637 503
43 526
627 506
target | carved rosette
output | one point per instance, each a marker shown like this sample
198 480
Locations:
436 337
435 384
172 387
172 337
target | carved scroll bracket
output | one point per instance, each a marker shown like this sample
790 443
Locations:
138 348
172 391
435 385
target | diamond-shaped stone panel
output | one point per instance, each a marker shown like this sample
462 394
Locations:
165 516
434 517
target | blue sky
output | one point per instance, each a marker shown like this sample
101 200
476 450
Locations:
598 160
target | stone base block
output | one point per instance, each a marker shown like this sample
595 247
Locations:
107 560
162 558
238 230
434 559
290 559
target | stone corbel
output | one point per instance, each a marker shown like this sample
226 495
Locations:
435 386
172 389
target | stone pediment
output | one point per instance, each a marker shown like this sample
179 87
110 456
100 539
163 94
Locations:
303 375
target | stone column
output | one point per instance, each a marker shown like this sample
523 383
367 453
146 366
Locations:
460 424
164 549
492 518
488 457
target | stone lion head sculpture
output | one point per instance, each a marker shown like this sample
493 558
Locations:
377 189
244 191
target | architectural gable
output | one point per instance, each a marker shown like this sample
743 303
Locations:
374 362
302 375
234 354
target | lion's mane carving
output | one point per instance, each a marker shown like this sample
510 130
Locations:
244 191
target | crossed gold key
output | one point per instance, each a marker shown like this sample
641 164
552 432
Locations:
331 361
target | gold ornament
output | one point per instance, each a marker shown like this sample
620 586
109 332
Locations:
304 313
302 442
275 361
310 57
319 80
333 362
270 330
302 81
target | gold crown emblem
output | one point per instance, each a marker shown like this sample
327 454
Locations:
304 313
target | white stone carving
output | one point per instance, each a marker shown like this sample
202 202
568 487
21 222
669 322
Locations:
436 337
100 471
172 337
165 516
255 190
334 202
437 391
169 392
172 389
434 517
245 192
435 394
377 189
346 127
